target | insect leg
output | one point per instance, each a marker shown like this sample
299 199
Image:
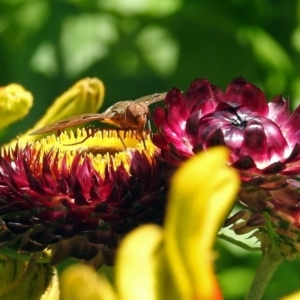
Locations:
140 136
119 136
94 130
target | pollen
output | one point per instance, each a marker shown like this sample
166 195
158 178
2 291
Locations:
103 147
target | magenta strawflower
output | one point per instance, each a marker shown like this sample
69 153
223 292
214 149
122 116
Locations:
263 139
79 200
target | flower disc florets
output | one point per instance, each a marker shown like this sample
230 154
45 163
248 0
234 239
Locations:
263 139
78 199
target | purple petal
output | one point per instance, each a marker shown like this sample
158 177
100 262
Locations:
159 116
279 110
175 103
291 127
247 94
201 90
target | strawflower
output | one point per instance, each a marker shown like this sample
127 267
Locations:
264 143
263 139
78 198
21 276
175 261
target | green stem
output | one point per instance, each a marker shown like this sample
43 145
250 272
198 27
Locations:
271 259
238 243
14 254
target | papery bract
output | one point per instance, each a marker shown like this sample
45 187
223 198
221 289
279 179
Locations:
79 200
264 143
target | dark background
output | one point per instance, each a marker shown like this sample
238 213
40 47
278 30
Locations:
141 47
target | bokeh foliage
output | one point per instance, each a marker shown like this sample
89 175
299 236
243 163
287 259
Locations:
141 47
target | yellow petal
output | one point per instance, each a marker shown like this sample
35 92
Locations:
202 192
15 103
295 296
80 282
86 96
137 262
52 292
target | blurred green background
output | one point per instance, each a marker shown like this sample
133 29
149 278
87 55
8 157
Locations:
139 47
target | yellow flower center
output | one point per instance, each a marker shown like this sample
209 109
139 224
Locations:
103 147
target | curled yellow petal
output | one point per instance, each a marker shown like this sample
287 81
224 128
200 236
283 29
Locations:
202 192
79 282
15 103
86 96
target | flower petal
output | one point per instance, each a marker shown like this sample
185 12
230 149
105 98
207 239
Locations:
136 280
81 282
279 110
247 94
190 229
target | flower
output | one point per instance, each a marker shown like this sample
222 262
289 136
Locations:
263 139
79 199
177 258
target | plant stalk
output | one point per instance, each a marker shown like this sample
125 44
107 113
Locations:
271 259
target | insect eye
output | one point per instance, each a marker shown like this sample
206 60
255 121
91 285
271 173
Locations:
134 112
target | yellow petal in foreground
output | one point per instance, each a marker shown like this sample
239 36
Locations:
137 262
295 296
202 193
81 282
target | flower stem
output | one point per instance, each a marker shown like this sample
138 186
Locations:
14 254
237 243
271 259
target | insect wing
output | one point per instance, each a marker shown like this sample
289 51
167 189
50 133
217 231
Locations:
117 110
150 99
69 122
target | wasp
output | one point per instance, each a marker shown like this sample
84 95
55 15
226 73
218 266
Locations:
127 114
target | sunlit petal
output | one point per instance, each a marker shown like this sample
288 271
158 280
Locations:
202 193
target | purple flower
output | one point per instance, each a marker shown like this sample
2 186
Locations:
79 200
263 139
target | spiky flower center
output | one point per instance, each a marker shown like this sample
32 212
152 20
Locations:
114 147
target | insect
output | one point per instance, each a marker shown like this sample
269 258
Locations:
128 114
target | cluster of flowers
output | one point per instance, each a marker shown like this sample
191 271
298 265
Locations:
80 200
